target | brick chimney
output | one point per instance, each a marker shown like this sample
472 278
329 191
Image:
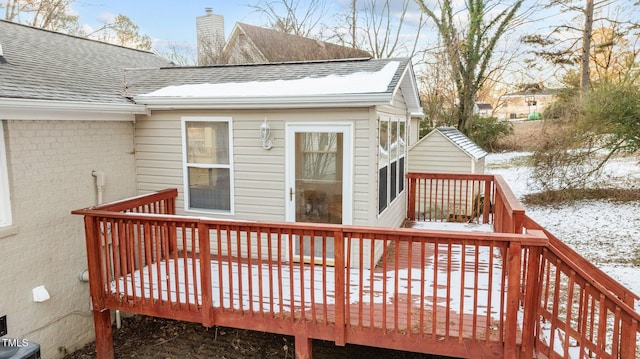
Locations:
210 33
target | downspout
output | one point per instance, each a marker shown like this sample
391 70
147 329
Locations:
99 175
100 182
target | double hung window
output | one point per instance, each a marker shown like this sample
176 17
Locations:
208 167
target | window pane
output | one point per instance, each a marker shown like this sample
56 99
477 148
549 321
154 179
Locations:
382 188
209 188
383 144
394 141
394 177
208 142
401 139
402 175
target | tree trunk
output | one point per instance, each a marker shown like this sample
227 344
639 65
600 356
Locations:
586 47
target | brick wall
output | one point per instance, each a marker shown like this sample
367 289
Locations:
50 165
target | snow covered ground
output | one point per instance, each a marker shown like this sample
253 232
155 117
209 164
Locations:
606 233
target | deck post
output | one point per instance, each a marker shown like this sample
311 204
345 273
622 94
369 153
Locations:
104 338
303 346
340 283
513 299
629 328
411 205
532 301
206 294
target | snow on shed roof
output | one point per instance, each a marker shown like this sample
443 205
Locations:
463 142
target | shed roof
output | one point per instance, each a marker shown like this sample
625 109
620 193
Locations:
461 141
337 83
46 65
278 46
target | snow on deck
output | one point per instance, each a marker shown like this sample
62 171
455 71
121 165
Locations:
379 289
452 226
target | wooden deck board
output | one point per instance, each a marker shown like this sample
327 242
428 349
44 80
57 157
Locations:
378 304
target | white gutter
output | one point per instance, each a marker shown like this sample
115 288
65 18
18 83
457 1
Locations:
11 104
43 110
265 102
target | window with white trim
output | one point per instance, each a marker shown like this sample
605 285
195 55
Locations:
391 160
5 198
208 166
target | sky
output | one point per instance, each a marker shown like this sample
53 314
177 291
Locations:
172 24
172 21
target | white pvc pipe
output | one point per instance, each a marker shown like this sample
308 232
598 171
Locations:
100 182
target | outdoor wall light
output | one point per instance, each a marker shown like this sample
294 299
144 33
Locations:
265 133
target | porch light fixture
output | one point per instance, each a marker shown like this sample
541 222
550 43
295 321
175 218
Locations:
265 133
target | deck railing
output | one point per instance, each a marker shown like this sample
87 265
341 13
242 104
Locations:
570 308
431 292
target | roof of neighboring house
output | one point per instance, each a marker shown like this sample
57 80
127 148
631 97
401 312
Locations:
483 105
46 65
335 83
534 92
461 141
278 46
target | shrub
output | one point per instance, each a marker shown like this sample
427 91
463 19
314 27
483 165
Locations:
487 132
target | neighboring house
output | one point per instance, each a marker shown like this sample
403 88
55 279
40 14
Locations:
319 141
482 109
253 44
62 115
519 105
446 150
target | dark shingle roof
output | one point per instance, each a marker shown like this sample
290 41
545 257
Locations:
45 65
484 105
278 46
144 81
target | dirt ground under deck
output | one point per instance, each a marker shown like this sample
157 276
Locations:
153 338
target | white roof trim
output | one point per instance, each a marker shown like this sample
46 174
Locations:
409 91
28 109
358 100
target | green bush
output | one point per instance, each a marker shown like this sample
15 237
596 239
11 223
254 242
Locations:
487 132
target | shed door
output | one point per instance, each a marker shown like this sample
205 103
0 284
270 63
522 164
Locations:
319 180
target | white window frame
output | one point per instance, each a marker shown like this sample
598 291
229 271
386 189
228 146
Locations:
391 160
186 165
5 195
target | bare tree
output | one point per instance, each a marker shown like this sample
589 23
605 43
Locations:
570 46
470 45
124 32
380 27
56 15
52 15
288 16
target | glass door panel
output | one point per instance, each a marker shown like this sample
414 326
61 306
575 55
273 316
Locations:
318 177
319 184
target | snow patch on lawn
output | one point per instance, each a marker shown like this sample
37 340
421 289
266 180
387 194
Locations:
606 233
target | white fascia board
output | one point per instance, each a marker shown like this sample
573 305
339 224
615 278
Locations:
265 102
410 91
27 109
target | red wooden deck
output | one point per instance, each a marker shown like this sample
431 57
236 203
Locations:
454 293
404 303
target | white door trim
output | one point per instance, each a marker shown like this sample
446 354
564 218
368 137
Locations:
347 162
